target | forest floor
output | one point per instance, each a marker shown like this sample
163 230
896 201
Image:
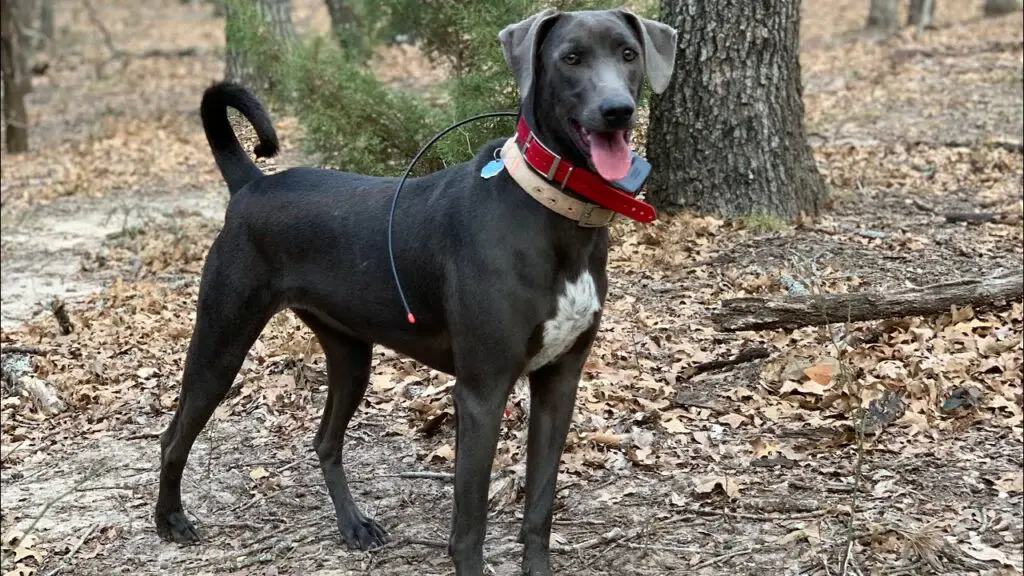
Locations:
752 469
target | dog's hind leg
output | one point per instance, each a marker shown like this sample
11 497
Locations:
230 316
348 373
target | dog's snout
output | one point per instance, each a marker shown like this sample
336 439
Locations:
617 111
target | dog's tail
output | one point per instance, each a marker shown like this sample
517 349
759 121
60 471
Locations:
235 165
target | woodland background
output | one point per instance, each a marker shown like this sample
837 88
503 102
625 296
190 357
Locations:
887 446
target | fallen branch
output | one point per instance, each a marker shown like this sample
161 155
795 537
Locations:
116 53
30 350
1007 145
767 517
817 310
613 535
724 557
976 218
440 476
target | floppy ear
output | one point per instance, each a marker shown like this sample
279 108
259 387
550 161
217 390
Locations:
519 42
660 41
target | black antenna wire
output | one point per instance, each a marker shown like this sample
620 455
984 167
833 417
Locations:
394 201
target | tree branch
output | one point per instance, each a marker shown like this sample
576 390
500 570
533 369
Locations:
817 310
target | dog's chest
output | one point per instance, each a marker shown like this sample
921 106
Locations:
574 314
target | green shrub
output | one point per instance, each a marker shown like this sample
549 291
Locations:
356 123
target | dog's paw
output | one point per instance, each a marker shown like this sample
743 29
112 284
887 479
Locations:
175 527
362 533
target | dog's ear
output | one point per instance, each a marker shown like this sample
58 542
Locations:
660 42
519 43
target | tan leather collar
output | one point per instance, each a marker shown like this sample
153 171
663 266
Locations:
584 213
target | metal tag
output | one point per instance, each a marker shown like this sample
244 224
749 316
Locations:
492 168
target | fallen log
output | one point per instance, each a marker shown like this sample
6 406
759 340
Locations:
790 312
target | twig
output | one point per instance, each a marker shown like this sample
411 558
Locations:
746 355
71 555
13 450
724 557
294 464
920 205
143 436
763 517
31 350
426 542
872 234
108 39
58 498
914 568
441 476
125 56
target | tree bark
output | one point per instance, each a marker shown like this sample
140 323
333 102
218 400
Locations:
795 311
882 15
727 135
1001 7
921 13
14 49
278 16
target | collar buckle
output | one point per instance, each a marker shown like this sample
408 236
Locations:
531 139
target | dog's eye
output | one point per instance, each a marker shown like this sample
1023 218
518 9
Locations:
629 54
571 59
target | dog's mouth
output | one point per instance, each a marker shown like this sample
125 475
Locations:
608 151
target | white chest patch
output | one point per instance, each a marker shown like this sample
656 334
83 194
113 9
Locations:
574 313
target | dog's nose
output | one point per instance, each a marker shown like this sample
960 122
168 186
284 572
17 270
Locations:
617 112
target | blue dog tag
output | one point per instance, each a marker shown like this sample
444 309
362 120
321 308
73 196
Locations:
492 168
639 170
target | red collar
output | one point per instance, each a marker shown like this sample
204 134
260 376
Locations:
579 180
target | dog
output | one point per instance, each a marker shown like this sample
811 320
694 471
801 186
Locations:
502 286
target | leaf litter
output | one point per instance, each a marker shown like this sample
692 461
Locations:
742 469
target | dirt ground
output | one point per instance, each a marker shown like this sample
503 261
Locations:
750 469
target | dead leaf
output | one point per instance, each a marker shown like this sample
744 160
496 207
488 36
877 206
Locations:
606 438
1010 482
727 484
733 420
981 551
762 448
820 373
445 452
258 473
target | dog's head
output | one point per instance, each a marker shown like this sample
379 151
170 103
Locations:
580 75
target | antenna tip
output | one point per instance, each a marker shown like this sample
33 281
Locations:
411 318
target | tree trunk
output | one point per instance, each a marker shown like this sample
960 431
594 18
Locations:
344 24
882 15
278 16
921 13
727 135
14 48
1001 7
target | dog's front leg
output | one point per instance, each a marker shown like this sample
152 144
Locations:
552 399
479 405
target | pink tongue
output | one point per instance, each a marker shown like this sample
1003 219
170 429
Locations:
610 154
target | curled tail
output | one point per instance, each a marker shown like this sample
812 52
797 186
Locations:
235 165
